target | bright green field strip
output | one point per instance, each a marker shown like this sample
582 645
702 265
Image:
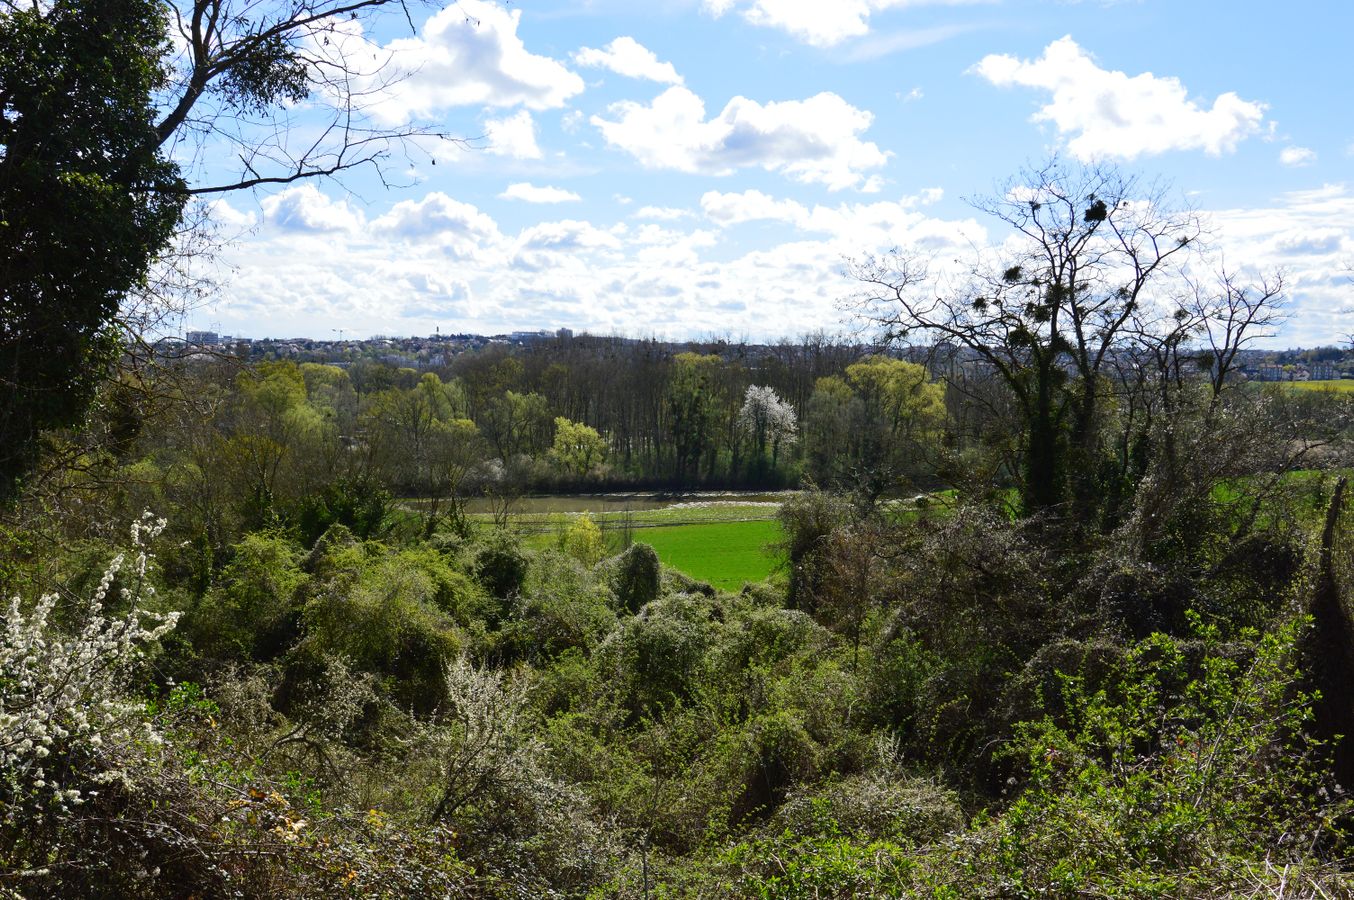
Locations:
1344 385
725 554
680 514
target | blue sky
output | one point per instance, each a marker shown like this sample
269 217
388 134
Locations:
687 168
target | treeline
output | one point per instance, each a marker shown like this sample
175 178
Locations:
280 441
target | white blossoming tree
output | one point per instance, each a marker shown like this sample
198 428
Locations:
768 421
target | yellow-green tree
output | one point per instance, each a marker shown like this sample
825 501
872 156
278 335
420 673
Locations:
578 448
874 427
583 540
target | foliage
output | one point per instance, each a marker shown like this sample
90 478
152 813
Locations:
500 566
385 619
578 448
582 540
63 711
636 577
87 201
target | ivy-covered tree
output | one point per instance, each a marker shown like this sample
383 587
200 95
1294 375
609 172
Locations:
87 201
1050 312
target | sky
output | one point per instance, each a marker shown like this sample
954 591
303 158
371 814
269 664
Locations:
703 168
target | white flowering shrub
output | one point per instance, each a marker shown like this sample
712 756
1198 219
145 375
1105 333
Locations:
63 708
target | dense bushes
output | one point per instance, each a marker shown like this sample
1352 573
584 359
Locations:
953 704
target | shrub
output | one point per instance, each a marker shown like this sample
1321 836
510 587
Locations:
636 577
501 566
65 724
386 622
1187 777
657 657
562 606
764 637
877 806
359 504
583 540
253 612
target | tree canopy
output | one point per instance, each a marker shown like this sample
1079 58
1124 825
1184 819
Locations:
87 201
103 118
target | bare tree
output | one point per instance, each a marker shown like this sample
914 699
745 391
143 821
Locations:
243 69
1050 314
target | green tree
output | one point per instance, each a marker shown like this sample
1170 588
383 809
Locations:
690 413
87 202
583 540
872 428
578 447
98 111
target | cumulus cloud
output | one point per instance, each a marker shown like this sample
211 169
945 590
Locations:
563 248
435 261
1307 235
815 140
305 208
1314 242
467 54
530 193
513 136
1297 156
1110 114
446 227
813 22
627 56
228 217
750 206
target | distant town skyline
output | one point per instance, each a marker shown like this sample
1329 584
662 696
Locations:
700 167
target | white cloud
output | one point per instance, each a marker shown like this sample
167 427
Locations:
1307 235
446 227
305 208
436 262
662 213
627 56
865 224
467 54
749 206
513 136
228 217
815 140
1113 115
567 236
437 213
817 23
1297 156
530 193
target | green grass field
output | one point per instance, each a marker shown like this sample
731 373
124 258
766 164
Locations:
726 554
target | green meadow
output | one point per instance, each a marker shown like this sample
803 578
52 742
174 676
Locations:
726 554
723 543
